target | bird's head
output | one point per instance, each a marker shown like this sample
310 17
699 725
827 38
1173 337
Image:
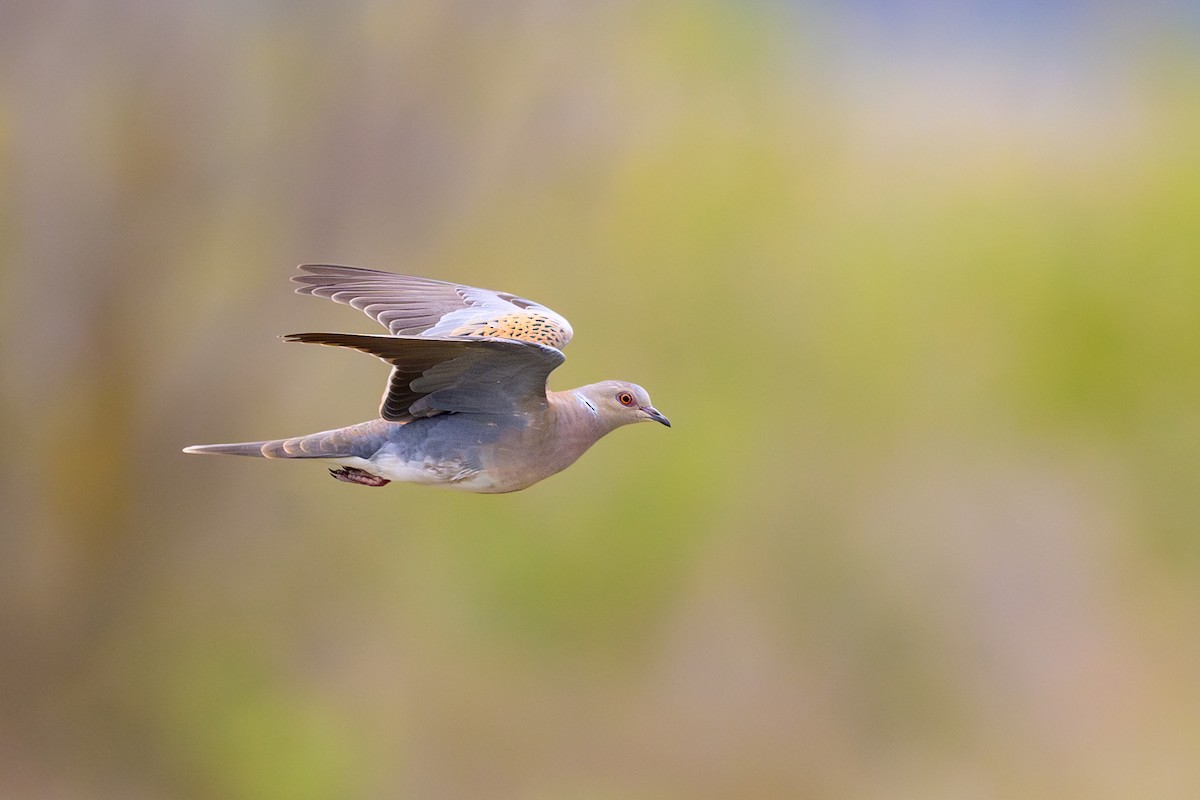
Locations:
621 403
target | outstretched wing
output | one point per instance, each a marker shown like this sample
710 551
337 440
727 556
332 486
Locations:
471 376
422 307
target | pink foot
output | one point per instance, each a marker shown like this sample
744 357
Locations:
356 475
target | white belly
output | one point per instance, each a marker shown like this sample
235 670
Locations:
433 473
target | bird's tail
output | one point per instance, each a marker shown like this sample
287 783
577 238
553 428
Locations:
356 440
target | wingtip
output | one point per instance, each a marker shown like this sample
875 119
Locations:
330 269
305 338
315 277
308 338
305 273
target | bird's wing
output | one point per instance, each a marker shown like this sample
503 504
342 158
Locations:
411 306
470 376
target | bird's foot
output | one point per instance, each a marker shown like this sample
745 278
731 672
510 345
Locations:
356 475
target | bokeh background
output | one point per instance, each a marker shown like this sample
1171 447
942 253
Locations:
916 282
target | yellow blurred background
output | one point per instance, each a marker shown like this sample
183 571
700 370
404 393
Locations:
915 282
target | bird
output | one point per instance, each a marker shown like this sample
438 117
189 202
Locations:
466 404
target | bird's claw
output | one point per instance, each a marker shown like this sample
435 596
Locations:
359 476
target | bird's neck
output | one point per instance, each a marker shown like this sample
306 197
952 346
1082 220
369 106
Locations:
577 418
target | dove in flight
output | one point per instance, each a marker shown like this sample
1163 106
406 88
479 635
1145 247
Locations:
466 405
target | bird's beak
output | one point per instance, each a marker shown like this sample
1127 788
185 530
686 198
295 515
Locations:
653 413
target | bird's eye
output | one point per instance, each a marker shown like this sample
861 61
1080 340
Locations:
625 399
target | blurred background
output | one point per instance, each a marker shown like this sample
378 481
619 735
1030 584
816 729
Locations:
915 281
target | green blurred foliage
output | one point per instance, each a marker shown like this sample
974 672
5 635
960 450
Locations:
921 311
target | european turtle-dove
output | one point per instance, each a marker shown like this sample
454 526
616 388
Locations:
466 405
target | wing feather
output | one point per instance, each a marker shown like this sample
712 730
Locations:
422 307
465 375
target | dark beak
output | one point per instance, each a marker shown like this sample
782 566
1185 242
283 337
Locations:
656 415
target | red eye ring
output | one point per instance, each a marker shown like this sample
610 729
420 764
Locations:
625 399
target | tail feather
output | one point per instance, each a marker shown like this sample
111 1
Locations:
258 449
356 440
